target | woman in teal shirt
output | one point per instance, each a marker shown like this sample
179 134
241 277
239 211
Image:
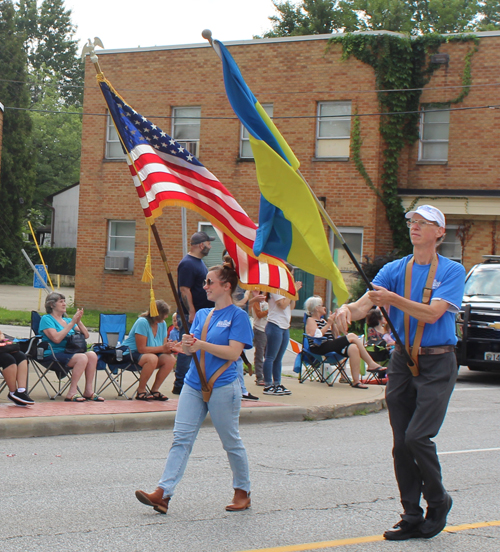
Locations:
151 350
55 329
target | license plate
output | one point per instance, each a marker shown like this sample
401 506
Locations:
495 357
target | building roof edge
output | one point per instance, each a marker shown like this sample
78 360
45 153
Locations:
245 42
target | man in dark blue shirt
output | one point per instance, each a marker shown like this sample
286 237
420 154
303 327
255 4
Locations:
191 274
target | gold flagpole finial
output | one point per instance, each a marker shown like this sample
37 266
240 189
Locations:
89 49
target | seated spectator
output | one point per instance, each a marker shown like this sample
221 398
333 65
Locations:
376 336
152 350
15 373
377 328
55 328
173 334
349 345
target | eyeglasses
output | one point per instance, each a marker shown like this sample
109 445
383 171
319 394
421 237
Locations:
421 223
208 282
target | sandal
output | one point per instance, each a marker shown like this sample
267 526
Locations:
94 397
157 396
143 397
376 369
75 398
359 385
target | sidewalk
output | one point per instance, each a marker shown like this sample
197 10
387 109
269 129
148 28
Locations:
309 401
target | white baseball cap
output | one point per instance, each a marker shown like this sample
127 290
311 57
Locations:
429 213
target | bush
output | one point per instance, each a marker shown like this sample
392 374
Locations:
60 260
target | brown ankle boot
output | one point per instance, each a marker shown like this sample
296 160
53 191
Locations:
241 501
154 499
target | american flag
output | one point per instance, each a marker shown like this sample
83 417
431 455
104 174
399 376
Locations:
165 173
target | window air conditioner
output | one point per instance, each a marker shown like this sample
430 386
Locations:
115 263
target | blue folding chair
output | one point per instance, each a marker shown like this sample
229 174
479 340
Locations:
323 368
115 361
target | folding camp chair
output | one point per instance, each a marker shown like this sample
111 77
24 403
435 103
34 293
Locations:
43 366
115 361
323 368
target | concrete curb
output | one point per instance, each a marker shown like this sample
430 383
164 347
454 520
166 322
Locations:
113 423
344 410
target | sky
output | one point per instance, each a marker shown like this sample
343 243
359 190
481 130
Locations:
132 23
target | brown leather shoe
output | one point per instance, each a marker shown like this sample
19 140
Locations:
241 501
154 499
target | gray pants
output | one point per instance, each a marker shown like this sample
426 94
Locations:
259 342
417 407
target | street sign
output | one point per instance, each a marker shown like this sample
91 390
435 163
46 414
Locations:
37 282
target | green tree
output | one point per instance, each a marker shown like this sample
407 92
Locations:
51 48
406 16
312 17
17 175
490 20
56 138
56 84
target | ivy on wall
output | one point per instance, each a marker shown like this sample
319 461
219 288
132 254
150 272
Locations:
402 68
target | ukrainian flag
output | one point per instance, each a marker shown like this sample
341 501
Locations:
290 226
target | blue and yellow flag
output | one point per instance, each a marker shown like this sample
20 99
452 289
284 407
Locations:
290 226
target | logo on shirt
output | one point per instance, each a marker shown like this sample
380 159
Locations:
223 324
436 284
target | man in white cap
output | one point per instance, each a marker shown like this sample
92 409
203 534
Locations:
417 404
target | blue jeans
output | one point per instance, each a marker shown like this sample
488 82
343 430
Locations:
277 342
224 407
183 363
241 376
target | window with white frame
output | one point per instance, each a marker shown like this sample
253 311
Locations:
434 132
451 246
121 245
245 147
353 237
215 256
333 131
186 128
113 146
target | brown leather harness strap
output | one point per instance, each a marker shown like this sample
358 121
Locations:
426 299
210 384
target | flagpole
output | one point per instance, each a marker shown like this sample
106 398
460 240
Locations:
173 287
411 364
207 35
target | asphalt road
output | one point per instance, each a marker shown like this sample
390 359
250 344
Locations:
312 482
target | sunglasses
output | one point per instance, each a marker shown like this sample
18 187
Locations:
208 282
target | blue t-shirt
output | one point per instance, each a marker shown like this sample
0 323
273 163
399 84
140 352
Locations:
191 273
448 285
47 322
142 327
230 323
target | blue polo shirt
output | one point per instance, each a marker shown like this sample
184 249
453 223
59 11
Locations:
448 285
230 323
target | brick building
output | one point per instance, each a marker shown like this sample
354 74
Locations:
181 89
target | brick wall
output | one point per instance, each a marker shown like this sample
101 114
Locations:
293 75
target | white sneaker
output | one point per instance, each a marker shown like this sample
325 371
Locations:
269 390
282 390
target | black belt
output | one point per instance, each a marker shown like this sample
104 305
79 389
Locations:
437 350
